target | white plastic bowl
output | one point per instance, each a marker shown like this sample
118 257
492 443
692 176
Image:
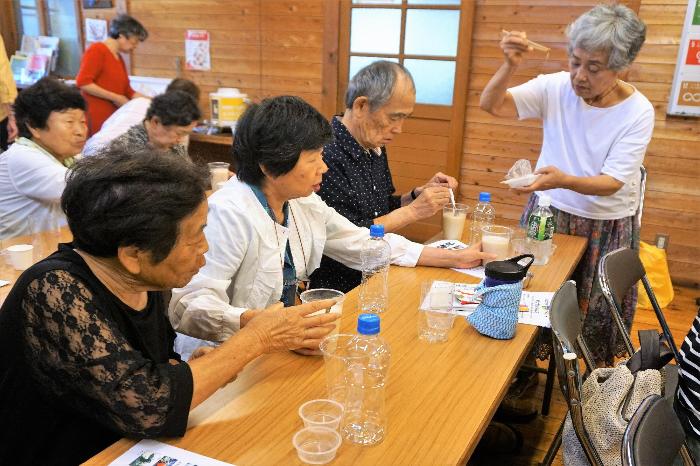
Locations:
521 181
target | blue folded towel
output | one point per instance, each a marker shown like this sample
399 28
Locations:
496 315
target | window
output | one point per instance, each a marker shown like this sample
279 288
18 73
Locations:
421 34
58 18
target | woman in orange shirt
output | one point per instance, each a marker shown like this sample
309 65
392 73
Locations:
103 78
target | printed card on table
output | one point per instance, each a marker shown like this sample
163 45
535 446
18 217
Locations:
153 453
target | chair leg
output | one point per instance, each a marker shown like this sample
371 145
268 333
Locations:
549 385
554 447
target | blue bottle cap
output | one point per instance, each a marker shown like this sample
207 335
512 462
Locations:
368 324
376 231
484 197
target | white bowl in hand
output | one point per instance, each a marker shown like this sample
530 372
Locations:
521 181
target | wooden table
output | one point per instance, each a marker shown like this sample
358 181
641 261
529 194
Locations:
440 397
44 243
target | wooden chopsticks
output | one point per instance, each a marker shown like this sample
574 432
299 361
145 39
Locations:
534 45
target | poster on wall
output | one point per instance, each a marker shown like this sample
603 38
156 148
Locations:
685 93
197 50
95 30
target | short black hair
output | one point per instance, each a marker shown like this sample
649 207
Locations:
138 198
125 25
176 108
273 134
34 105
184 85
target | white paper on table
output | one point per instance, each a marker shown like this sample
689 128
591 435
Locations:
453 245
4 282
151 452
534 305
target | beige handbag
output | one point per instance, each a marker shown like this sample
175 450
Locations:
611 395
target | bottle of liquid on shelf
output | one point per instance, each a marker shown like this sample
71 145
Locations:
540 230
482 215
364 418
376 257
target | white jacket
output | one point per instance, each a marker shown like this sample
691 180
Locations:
243 267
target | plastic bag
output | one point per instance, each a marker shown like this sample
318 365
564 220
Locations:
654 261
520 174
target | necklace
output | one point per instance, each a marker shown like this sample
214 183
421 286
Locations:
599 98
301 244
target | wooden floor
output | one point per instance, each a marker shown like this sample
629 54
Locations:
538 434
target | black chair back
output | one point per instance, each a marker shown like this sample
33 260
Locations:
619 271
566 321
654 435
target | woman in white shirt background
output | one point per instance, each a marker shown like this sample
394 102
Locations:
52 130
267 229
596 129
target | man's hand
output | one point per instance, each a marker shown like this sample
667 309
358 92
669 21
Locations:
430 201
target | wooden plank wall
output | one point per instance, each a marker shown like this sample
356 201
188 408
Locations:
262 47
492 145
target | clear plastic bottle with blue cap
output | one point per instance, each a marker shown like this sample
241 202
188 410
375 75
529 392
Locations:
364 419
482 215
376 258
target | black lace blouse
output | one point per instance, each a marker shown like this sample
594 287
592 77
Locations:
79 369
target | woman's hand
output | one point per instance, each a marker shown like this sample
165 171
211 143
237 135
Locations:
471 257
201 351
119 100
281 328
514 46
550 178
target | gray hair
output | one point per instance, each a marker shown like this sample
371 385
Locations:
128 27
375 81
615 29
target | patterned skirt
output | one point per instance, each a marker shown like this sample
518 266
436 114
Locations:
599 329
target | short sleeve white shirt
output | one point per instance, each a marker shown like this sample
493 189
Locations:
583 141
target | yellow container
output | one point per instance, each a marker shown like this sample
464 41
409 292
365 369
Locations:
227 106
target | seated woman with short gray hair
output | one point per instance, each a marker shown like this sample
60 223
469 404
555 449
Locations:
86 342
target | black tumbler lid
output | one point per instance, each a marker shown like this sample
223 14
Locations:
513 269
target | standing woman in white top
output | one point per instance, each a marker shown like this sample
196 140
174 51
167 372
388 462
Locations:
596 130
52 128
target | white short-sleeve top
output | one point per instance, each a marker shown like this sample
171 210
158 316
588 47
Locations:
582 140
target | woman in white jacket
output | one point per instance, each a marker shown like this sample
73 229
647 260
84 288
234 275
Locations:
267 229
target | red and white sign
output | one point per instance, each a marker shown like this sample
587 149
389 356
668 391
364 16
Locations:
197 50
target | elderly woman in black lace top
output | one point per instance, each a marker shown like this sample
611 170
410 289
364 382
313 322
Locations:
85 341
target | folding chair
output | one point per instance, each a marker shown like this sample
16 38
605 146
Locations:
567 344
619 271
654 435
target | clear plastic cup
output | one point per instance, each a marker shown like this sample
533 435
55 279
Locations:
321 413
319 294
316 445
495 239
436 314
453 220
218 172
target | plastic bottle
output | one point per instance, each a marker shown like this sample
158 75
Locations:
376 257
364 418
483 215
540 230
